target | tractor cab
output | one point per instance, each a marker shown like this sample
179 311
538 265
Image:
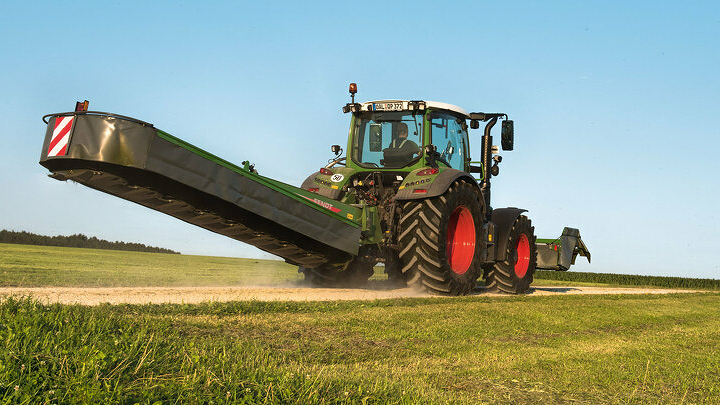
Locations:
396 146
399 149
395 134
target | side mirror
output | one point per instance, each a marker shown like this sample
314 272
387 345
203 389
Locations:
508 135
336 149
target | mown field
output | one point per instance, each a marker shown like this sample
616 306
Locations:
33 266
480 349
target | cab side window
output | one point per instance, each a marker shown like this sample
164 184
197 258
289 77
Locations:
448 136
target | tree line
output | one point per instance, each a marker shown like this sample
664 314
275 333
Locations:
78 240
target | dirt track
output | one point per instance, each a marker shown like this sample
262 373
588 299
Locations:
192 295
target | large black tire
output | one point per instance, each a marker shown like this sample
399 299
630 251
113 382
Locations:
355 274
515 274
441 240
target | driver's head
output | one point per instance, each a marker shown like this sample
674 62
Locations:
402 130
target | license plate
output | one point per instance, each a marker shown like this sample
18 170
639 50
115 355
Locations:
387 106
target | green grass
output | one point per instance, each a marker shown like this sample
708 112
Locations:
532 349
30 266
557 349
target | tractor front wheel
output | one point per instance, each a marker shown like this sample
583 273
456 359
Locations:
441 243
515 274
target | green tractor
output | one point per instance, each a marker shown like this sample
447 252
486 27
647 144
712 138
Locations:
434 227
406 194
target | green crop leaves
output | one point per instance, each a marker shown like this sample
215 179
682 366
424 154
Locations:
629 280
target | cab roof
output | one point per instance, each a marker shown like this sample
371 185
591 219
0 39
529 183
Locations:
368 106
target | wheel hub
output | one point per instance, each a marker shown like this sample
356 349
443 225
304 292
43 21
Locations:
460 241
523 256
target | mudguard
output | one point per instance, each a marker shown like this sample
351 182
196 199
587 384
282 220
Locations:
439 185
311 181
503 219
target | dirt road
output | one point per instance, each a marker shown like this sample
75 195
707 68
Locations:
192 295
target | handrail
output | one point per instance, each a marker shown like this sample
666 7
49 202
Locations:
98 113
482 171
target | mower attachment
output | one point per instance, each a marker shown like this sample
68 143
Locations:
559 254
134 160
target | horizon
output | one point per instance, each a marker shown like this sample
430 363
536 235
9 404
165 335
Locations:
271 258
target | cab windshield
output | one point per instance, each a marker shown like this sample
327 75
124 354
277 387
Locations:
387 139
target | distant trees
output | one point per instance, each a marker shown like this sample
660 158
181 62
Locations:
78 240
629 279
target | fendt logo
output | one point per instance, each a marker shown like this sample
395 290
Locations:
321 203
60 136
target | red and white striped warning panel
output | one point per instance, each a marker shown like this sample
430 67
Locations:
60 136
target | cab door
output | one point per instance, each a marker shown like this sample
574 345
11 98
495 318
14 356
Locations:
449 135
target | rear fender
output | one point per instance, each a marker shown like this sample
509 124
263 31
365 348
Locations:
330 186
503 219
435 185
314 181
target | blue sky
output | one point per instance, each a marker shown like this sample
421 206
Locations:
614 106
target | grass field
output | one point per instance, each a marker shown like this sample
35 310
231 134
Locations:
613 349
33 266
527 349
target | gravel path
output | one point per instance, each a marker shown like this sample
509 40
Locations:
193 295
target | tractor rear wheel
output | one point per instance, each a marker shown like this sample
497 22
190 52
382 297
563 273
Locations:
441 240
515 274
329 275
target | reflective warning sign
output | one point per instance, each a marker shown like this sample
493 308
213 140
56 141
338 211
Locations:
60 136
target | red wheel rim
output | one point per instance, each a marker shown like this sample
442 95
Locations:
460 246
523 256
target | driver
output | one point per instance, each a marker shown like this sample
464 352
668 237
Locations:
401 142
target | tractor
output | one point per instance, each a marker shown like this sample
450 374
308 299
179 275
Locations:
409 160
